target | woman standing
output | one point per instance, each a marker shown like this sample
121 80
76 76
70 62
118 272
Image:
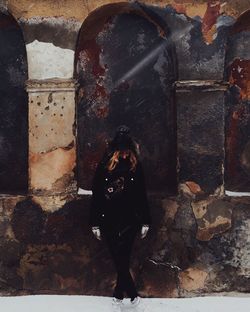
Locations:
120 209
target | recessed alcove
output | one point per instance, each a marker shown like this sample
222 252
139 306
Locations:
13 108
125 68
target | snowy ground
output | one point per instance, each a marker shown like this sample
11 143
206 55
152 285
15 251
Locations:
46 303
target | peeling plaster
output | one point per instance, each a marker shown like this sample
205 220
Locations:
194 187
200 209
213 216
47 168
45 60
209 28
185 190
192 279
50 203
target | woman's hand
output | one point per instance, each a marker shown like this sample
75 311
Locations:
144 230
96 231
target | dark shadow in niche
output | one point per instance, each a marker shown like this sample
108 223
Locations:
237 107
13 108
125 66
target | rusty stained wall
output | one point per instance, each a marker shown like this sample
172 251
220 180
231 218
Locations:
198 242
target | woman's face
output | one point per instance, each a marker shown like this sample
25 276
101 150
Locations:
124 154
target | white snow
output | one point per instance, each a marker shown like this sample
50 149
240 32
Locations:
228 193
237 194
45 61
55 303
84 192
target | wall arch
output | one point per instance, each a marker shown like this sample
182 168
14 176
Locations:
13 107
125 67
237 72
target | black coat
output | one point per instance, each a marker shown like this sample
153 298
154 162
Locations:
119 197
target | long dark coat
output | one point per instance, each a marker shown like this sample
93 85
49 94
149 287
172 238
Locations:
116 211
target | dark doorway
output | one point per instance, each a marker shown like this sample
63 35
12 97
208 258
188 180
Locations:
125 69
13 108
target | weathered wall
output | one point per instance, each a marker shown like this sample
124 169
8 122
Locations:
199 241
195 247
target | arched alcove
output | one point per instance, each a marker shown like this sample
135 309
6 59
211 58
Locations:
125 68
13 108
237 120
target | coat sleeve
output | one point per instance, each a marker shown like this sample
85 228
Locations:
142 200
97 197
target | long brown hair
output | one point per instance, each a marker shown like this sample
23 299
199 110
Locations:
114 159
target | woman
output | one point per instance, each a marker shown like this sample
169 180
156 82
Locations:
120 209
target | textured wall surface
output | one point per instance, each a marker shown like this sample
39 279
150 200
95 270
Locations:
191 97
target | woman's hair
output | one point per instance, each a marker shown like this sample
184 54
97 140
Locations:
114 159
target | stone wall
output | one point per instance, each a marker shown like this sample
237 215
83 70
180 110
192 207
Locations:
199 241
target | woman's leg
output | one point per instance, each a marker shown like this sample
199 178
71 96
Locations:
120 248
128 282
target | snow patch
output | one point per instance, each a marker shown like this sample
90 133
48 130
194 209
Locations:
41 303
237 194
45 61
84 192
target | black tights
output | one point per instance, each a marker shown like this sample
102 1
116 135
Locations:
120 247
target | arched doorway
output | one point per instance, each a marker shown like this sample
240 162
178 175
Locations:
237 72
13 108
125 68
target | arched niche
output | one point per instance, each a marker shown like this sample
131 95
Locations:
13 107
237 120
125 67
